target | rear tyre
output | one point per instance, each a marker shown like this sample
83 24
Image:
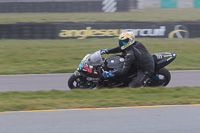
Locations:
161 77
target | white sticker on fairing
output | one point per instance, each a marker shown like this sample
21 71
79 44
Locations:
169 58
121 59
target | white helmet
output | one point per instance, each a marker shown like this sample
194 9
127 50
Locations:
126 39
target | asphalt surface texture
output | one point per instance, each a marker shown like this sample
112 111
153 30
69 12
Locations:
35 82
157 119
174 119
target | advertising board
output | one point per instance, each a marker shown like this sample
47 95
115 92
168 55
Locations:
196 3
168 3
140 29
84 30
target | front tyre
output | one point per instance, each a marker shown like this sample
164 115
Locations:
79 82
161 77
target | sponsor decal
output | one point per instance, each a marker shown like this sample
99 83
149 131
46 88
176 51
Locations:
167 55
112 61
148 32
121 59
180 31
159 57
169 58
89 32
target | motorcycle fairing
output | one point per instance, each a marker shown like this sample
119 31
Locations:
163 59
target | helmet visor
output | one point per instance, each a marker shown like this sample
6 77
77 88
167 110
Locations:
123 42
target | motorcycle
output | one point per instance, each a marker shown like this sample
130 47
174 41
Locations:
89 72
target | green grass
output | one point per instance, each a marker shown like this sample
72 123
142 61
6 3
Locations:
134 15
14 101
59 56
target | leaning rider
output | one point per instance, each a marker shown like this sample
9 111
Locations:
134 53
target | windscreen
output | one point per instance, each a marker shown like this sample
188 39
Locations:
94 59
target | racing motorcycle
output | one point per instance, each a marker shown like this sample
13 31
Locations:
89 72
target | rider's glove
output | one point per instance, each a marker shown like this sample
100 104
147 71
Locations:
107 74
103 51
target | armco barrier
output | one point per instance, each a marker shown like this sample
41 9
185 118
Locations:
65 6
85 30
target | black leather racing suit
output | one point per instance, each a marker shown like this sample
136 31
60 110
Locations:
135 55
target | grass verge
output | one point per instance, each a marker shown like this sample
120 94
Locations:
60 56
135 15
54 99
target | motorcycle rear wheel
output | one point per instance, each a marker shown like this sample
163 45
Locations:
161 77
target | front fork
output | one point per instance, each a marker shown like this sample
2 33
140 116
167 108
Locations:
92 82
77 73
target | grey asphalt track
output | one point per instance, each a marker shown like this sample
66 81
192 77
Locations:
34 82
174 119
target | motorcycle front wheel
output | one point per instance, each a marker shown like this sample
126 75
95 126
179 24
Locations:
80 82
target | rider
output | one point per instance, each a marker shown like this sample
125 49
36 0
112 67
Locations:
134 53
